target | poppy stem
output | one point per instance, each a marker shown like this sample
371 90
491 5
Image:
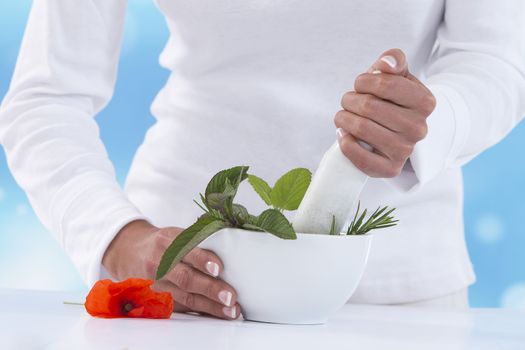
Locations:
72 303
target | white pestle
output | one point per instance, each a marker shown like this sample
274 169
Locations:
334 190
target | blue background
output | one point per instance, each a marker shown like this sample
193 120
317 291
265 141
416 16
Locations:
31 258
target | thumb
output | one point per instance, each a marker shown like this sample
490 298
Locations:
393 61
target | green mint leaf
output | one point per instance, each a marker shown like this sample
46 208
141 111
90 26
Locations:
274 222
216 200
240 214
289 190
229 189
218 183
262 188
188 239
252 227
221 191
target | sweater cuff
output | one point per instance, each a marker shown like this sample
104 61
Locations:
91 220
448 129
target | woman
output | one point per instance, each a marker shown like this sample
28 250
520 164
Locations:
260 83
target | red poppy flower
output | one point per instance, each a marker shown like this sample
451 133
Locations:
130 298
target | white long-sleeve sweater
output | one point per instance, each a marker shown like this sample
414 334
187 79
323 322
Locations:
258 83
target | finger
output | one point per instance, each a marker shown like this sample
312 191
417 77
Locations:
205 261
398 90
199 303
161 286
410 124
370 163
178 307
388 143
393 61
193 281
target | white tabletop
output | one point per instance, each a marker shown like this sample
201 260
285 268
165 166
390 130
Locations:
40 320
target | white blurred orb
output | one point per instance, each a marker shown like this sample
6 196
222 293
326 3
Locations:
21 210
514 297
489 228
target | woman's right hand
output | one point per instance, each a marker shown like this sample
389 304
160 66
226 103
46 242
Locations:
193 283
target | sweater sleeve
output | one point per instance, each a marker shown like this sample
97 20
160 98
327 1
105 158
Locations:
65 74
477 74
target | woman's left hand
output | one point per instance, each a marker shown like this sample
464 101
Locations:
388 111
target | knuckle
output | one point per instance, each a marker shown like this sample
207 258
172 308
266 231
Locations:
210 289
393 170
383 85
417 131
405 150
360 127
163 237
165 233
423 131
188 300
200 256
360 81
343 145
182 278
339 117
367 106
151 266
420 131
347 97
428 104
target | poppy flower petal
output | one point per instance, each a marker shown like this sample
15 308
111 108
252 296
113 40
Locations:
130 298
137 312
97 301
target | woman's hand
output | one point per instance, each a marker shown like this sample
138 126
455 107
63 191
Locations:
387 110
193 283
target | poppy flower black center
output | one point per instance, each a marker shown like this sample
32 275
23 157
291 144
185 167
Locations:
127 307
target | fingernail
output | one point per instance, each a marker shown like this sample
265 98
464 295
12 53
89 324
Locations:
225 297
230 311
372 70
340 133
212 268
390 60
366 146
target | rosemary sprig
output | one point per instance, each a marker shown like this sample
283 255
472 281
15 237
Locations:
332 226
380 218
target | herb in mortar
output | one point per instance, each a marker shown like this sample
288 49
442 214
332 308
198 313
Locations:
380 218
221 212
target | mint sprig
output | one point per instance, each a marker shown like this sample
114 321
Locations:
288 191
188 239
273 221
262 188
221 212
